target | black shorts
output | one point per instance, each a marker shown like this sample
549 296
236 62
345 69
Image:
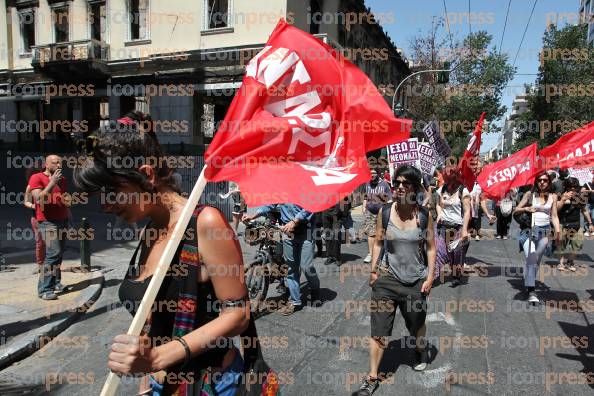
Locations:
389 291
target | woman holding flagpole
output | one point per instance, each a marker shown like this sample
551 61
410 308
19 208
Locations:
186 343
541 203
453 220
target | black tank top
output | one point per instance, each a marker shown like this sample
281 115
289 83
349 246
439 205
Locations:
163 310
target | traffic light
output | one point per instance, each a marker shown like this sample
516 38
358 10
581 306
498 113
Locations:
444 76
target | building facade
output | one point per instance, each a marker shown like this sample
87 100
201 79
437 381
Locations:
587 17
511 129
75 64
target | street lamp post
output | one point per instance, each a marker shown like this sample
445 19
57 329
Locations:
400 107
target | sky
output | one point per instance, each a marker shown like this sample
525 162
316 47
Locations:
404 19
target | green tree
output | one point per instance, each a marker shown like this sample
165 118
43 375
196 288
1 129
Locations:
479 76
563 97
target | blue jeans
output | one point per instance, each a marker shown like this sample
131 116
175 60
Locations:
298 254
224 383
534 243
53 234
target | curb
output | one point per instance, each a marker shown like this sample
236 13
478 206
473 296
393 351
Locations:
26 344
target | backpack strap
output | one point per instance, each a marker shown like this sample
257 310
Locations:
423 218
422 222
386 210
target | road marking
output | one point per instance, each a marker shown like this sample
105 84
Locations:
435 377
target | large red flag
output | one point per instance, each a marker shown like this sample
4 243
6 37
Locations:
469 164
517 170
299 127
574 149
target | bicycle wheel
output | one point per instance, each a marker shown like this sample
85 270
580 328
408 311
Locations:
257 282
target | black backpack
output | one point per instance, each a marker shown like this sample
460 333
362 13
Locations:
422 221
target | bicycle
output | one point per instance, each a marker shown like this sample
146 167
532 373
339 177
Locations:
268 265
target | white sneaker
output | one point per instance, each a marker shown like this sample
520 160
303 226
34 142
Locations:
367 259
532 298
586 234
505 238
498 237
477 238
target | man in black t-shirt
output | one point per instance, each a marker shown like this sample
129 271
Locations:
569 207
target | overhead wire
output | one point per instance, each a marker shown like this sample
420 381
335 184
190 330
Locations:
524 35
504 26
447 20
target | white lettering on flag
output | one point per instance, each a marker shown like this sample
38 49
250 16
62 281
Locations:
328 176
302 103
299 135
275 65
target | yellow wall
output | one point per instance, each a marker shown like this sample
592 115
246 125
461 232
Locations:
176 27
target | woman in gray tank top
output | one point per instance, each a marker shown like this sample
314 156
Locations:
402 276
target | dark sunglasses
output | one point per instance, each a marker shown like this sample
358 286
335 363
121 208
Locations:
543 180
405 183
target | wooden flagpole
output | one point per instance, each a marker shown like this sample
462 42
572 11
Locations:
113 381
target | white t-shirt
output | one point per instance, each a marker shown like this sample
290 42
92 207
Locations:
542 216
452 206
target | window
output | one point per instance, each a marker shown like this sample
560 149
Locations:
138 11
315 16
98 21
27 24
217 14
61 24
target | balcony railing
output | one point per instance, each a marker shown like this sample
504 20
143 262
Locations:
71 51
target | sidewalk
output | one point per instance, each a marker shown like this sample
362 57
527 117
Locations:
26 321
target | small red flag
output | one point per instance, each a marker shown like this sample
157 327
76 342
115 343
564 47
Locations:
470 161
517 170
574 149
299 127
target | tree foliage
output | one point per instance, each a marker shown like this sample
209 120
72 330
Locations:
563 97
480 75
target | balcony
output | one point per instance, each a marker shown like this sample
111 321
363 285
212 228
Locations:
72 60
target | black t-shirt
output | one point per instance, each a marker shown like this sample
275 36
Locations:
377 194
569 215
558 186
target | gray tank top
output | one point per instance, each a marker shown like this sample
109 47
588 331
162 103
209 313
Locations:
404 256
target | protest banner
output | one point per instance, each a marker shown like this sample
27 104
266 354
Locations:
428 159
435 140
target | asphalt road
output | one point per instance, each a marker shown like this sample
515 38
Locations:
484 338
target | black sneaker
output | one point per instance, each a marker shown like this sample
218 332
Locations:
421 360
368 387
456 282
